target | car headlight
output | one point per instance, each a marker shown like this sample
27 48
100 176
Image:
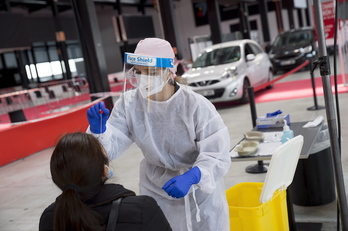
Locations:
307 49
230 73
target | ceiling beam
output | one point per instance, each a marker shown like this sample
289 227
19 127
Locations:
64 5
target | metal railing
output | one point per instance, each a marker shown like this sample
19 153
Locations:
48 97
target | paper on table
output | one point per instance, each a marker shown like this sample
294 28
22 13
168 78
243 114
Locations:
266 148
314 123
271 137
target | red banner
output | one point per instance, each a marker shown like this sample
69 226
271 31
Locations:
328 12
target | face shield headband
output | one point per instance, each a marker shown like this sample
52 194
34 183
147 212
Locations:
148 61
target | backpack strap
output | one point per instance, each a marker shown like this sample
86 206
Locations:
111 226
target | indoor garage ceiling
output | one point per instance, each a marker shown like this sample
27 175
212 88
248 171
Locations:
31 6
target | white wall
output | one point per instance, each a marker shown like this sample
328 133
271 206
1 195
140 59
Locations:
187 28
114 60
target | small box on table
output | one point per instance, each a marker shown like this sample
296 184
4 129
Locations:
272 122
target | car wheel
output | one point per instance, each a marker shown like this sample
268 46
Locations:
245 96
270 78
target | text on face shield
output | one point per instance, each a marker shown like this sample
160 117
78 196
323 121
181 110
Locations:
141 60
148 61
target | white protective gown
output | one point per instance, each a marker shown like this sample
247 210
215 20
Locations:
174 136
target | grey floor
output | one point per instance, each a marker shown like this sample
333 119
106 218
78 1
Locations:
26 187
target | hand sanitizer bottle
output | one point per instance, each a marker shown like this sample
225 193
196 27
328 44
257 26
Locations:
287 133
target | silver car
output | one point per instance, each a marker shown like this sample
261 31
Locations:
223 72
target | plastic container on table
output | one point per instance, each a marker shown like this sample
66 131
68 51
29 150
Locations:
262 206
287 133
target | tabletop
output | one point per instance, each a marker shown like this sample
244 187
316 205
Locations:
309 134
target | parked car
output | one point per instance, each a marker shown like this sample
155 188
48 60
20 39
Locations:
223 72
292 48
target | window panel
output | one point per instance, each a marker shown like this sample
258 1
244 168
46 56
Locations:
10 60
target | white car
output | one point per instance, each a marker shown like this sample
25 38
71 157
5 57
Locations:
223 72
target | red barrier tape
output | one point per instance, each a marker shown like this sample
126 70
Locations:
262 86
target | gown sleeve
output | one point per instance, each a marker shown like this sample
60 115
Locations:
117 138
213 144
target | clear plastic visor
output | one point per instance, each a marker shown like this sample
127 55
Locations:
148 74
140 70
146 78
140 76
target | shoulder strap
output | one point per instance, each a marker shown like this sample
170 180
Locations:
113 215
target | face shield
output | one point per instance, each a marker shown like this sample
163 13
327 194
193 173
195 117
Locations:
147 75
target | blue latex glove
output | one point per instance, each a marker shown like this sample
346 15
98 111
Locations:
274 113
97 116
179 186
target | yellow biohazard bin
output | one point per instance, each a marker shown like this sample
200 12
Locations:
263 206
248 213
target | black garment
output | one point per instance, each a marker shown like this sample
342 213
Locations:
136 212
180 69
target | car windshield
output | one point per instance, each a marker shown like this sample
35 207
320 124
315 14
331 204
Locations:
218 57
294 39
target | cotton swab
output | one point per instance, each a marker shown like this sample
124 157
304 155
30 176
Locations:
101 121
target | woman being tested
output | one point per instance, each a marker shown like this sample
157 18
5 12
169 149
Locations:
79 167
181 135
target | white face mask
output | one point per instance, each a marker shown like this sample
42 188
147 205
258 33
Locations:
110 172
150 85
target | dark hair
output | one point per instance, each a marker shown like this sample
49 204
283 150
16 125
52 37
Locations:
77 168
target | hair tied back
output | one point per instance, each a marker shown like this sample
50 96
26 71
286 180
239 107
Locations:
71 186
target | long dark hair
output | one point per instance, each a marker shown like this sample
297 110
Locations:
77 168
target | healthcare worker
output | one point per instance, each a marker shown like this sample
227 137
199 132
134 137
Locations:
184 140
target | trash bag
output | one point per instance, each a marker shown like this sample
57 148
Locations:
314 177
322 141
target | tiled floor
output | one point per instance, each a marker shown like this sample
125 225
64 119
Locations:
26 188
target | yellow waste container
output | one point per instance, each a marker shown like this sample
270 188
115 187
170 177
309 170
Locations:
247 213
263 206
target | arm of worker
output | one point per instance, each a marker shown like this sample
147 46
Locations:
213 144
179 186
213 161
113 131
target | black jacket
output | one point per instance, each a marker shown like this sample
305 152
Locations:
136 212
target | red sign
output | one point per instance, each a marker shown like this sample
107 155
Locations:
328 12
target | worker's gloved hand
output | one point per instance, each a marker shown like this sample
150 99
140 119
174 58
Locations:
97 116
179 186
